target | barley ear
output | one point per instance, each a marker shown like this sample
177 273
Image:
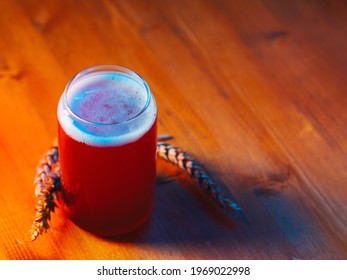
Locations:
47 186
47 183
180 158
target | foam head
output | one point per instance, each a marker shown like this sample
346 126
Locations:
106 106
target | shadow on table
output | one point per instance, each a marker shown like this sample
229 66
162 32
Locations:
273 221
183 214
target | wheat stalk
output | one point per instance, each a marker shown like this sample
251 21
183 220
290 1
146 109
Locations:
47 183
47 186
181 159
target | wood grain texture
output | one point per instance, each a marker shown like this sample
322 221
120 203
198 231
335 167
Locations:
255 90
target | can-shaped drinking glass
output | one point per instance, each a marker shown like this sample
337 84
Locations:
107 128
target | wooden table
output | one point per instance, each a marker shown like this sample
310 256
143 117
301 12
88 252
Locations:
255 90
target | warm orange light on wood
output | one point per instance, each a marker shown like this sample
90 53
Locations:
255 90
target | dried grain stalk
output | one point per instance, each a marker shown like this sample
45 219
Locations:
47 186
47 183
181 159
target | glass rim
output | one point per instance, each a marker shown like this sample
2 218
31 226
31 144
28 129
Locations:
108 68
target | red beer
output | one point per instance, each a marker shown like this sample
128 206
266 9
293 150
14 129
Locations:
107 149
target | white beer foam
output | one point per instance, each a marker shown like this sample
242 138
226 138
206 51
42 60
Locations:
114 129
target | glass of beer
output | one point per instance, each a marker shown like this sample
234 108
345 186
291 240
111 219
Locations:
107 128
